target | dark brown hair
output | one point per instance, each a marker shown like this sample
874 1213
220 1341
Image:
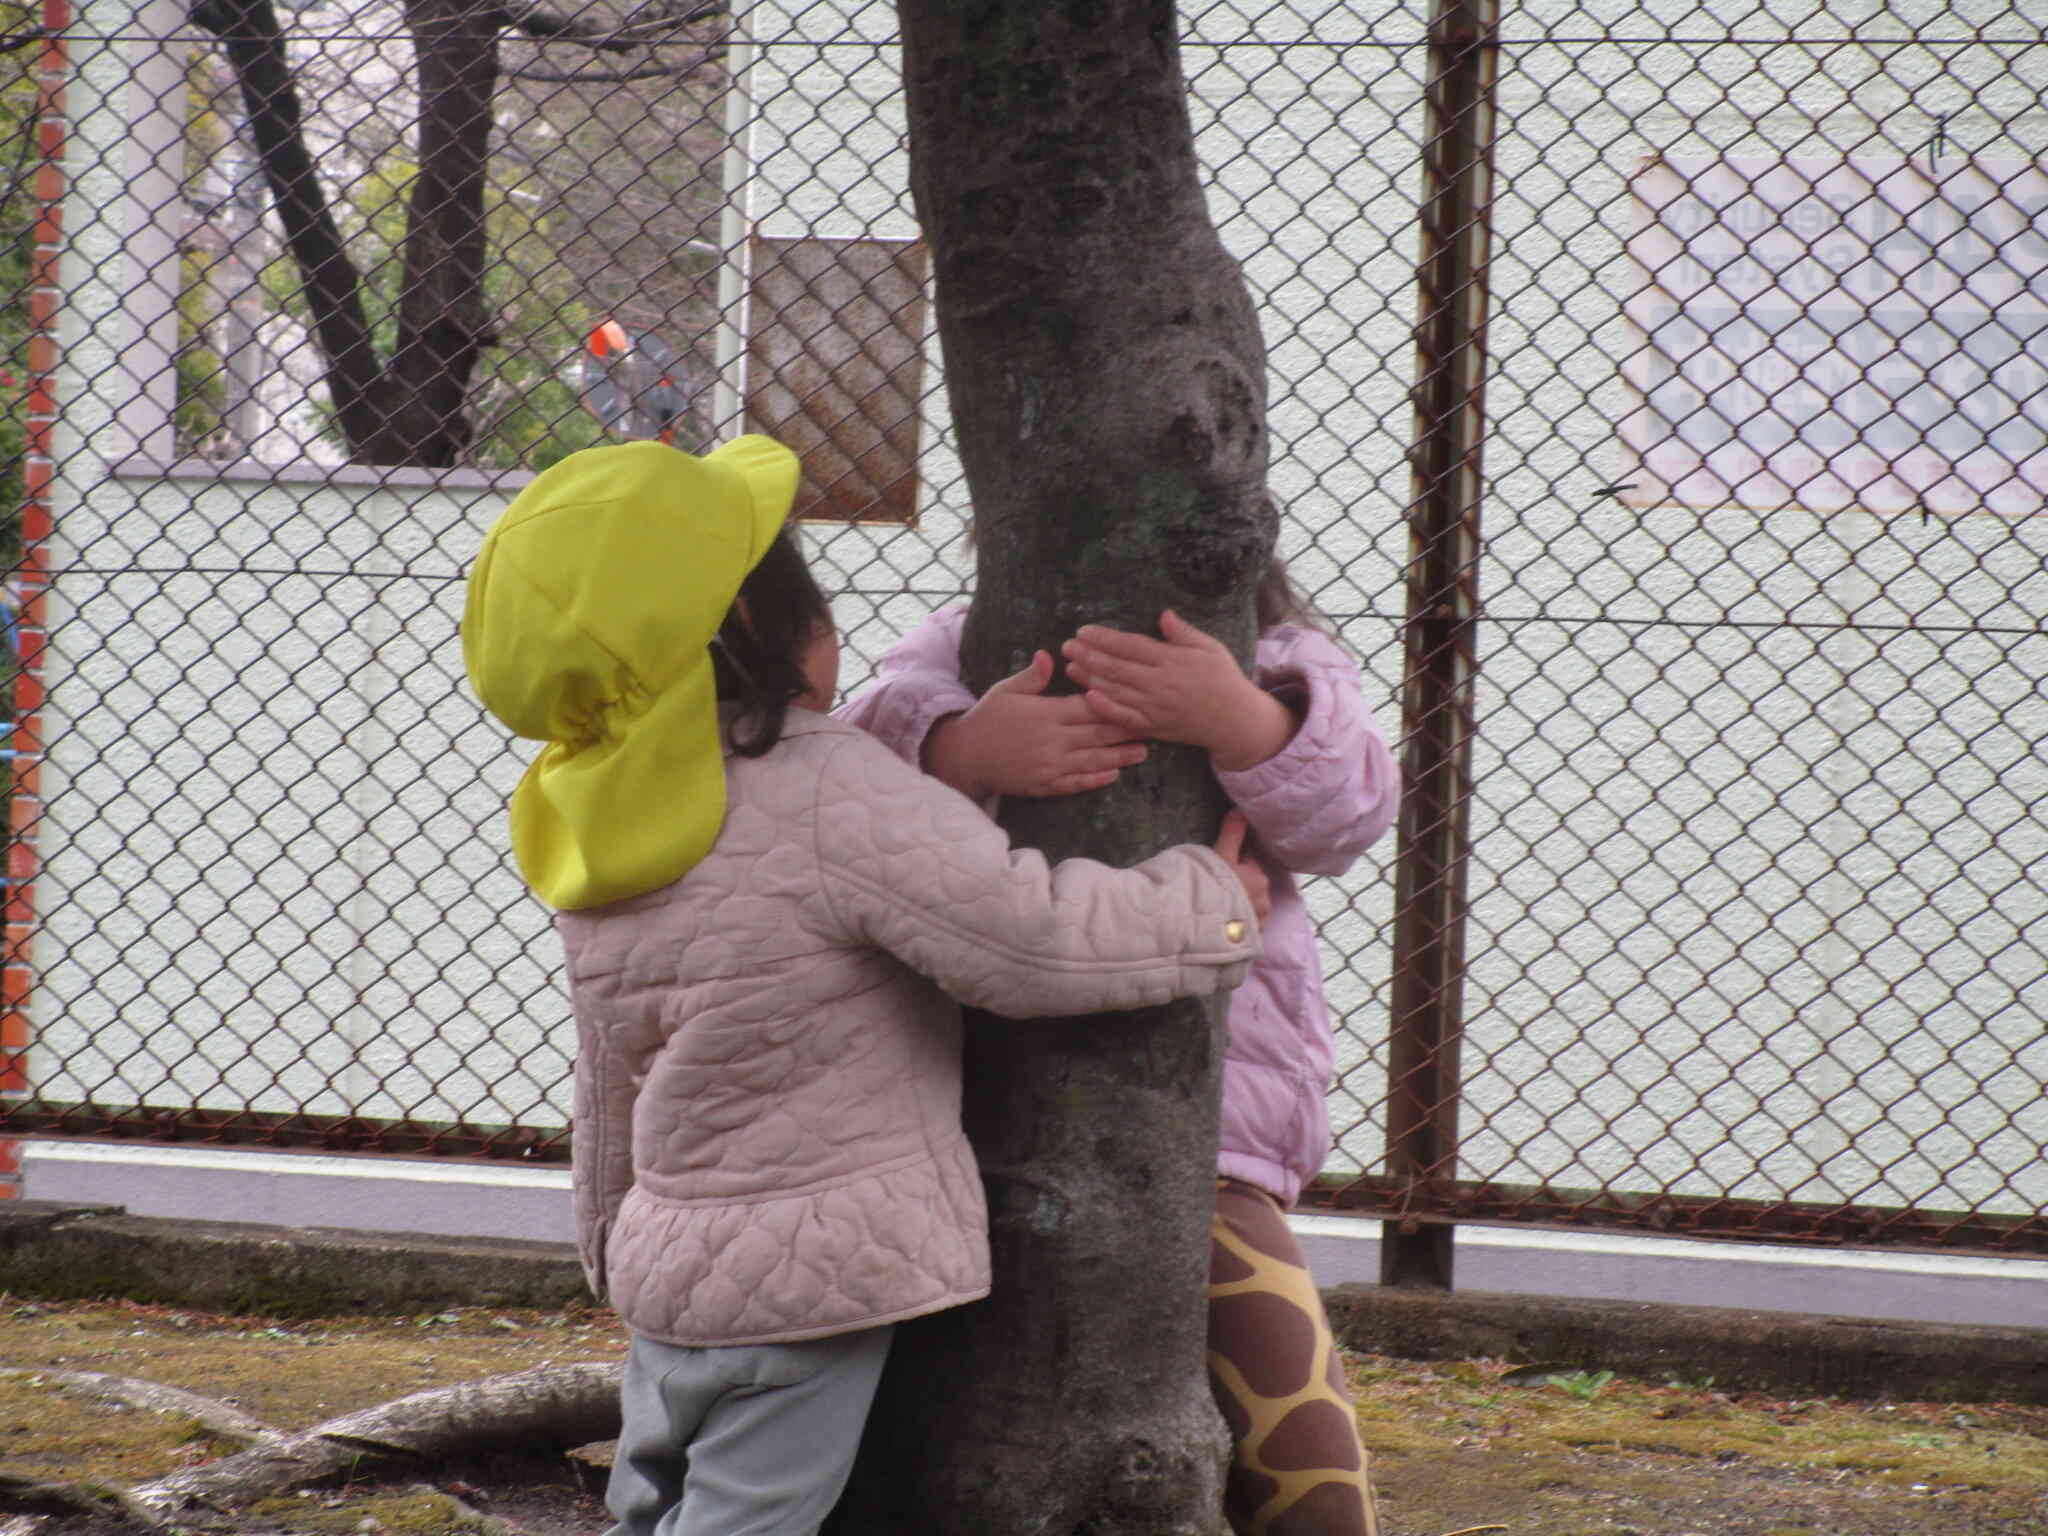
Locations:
758 654
1279 601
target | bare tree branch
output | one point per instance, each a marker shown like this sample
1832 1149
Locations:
249 31
443 322
544 25
662 15
610 77
412 407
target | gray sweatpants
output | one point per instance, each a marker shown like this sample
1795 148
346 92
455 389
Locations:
748 1440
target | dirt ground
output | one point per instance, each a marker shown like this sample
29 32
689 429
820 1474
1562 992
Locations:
1471 1447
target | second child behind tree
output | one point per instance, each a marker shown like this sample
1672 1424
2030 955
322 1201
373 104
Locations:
1298 752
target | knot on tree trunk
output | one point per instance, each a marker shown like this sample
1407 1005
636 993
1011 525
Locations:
1214 552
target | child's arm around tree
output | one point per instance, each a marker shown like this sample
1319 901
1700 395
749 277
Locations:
915 868
1294 745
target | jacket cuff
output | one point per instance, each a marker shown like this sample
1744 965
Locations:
1231 937
903 714
933 707
1301 755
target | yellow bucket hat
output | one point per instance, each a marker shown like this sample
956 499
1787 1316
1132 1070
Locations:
587 625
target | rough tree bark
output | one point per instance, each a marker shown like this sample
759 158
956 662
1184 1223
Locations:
1106 378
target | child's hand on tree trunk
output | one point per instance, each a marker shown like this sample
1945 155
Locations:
1018 741
1184 687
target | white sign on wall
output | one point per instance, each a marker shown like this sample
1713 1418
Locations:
1837 333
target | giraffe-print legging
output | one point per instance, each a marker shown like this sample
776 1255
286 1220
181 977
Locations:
1296 1466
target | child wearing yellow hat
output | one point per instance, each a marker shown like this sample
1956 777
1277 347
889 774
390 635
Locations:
770 921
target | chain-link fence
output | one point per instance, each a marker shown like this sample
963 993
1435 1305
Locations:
1714 642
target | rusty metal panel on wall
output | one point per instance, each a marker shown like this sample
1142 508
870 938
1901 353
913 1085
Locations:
835 368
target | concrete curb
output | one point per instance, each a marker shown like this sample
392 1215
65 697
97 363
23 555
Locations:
1794 1354
54 1251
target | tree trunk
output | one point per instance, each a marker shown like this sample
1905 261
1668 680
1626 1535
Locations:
413 410
254 43
1106 379
442 323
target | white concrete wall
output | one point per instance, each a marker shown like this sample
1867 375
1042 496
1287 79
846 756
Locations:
1755 852
273 841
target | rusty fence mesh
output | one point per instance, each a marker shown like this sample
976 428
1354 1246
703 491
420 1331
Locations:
1747 843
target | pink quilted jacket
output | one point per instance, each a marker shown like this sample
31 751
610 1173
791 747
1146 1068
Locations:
1315 805
767 1115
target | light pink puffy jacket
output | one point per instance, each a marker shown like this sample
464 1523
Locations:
767 1117
1315 806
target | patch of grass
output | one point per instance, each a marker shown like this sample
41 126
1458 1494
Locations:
1995 1454
255 1363
1455 1444
54 1437
1584 1385
407 1512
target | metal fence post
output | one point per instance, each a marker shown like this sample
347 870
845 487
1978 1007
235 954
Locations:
1443 608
